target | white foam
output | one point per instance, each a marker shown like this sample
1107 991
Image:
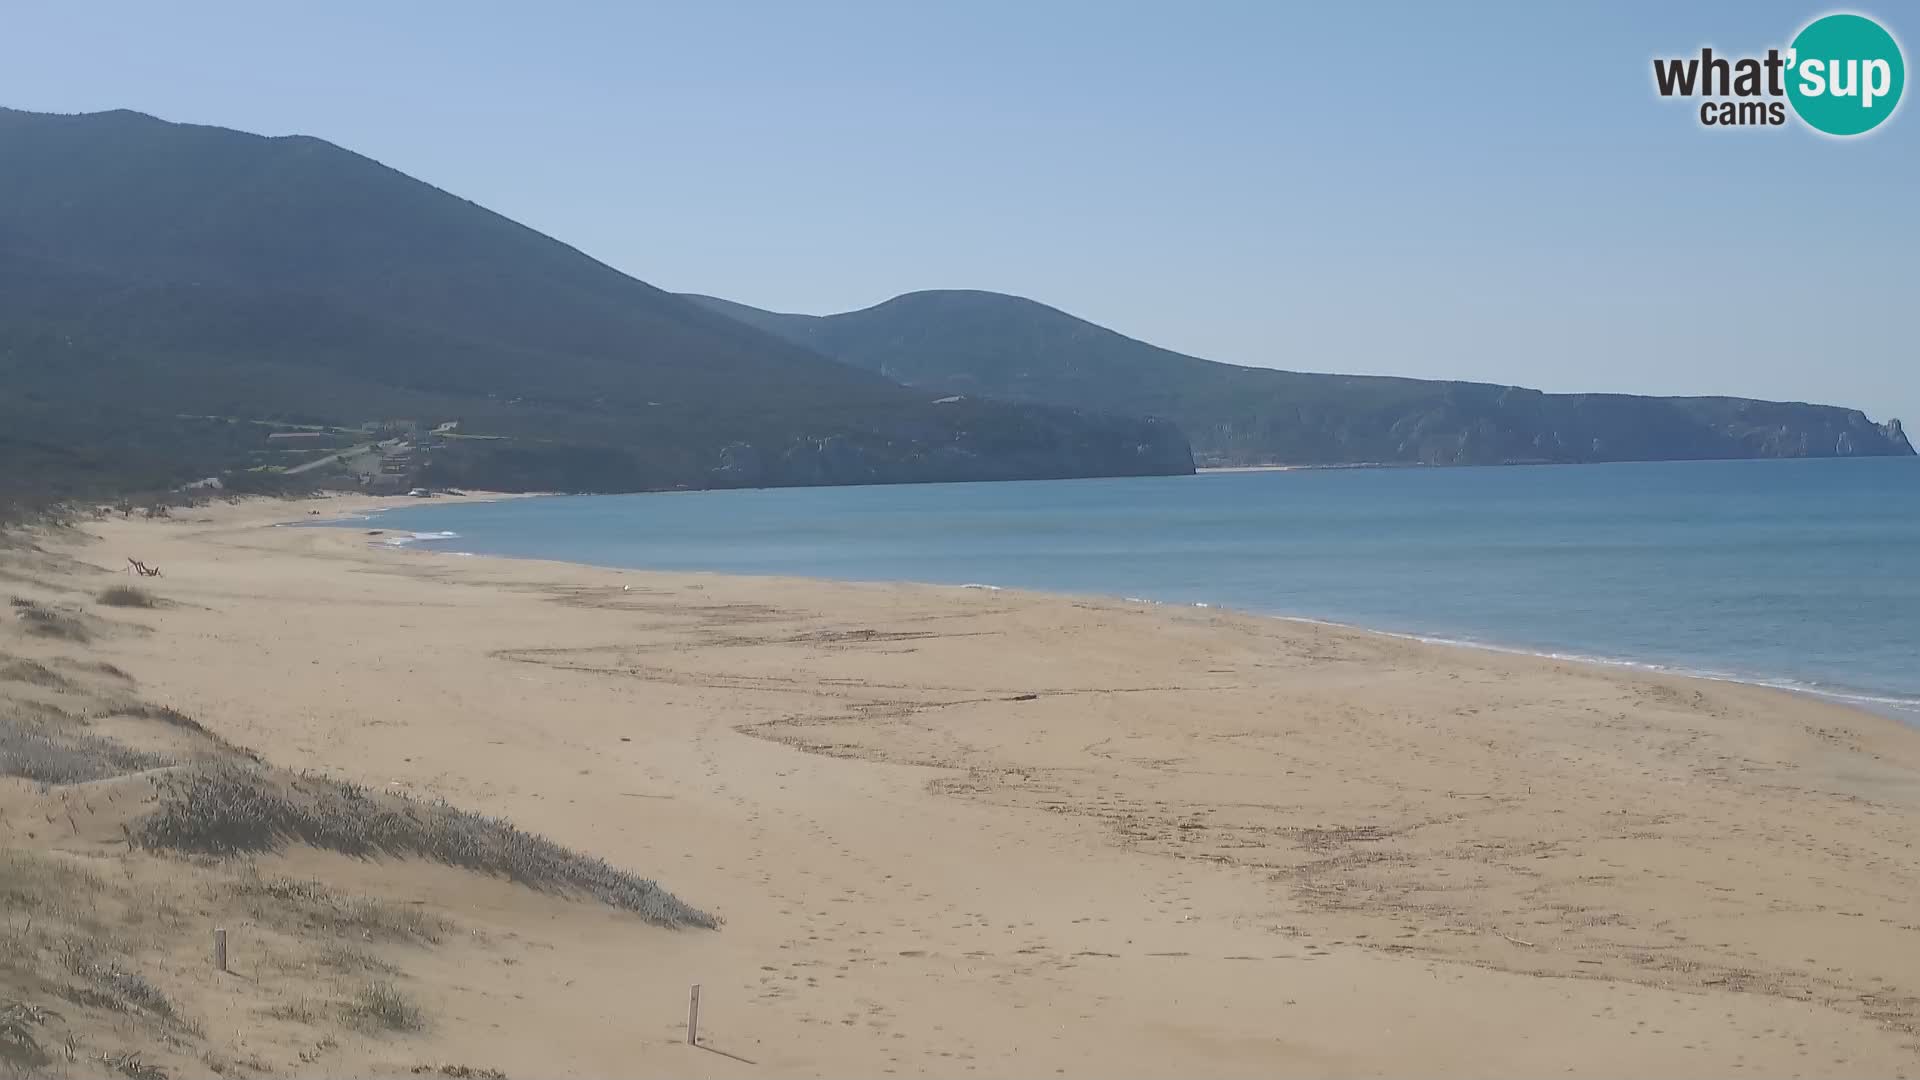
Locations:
1907 707
419 537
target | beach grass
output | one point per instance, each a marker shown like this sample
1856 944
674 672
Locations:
305 903
227 808
20 1024
381 1004
128 596
44 621
66 758
124 989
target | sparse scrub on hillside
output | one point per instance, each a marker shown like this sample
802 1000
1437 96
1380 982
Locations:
298 1011
223 808
20 1024
461 1072
31 672
386 1006
94 946
152 909
172 717
128 596
351 959
128 1064
167 714
313 904
29 711
46 622
43 884
20 946
72 758
127 990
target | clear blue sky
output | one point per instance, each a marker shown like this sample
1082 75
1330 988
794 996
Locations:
1491 192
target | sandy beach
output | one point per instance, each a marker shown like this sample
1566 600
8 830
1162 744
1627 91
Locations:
964 832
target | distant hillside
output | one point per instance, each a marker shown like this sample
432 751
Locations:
954 342
152 273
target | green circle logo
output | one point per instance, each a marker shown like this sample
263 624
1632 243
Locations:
1845 74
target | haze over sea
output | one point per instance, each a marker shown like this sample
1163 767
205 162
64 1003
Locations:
1797 573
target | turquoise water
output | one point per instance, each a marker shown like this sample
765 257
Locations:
1793 573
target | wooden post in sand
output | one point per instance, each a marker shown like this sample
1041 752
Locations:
220 948
693 1017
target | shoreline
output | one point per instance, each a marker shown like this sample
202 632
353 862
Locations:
1860 702
1033 833
1881 704
1905 711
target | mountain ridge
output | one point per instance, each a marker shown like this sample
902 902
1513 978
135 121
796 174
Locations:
150 270
996 345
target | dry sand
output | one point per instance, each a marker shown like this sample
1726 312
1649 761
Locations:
960 832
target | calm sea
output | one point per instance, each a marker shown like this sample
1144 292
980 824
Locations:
1794 573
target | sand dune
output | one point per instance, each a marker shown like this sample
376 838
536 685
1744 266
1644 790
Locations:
959 832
